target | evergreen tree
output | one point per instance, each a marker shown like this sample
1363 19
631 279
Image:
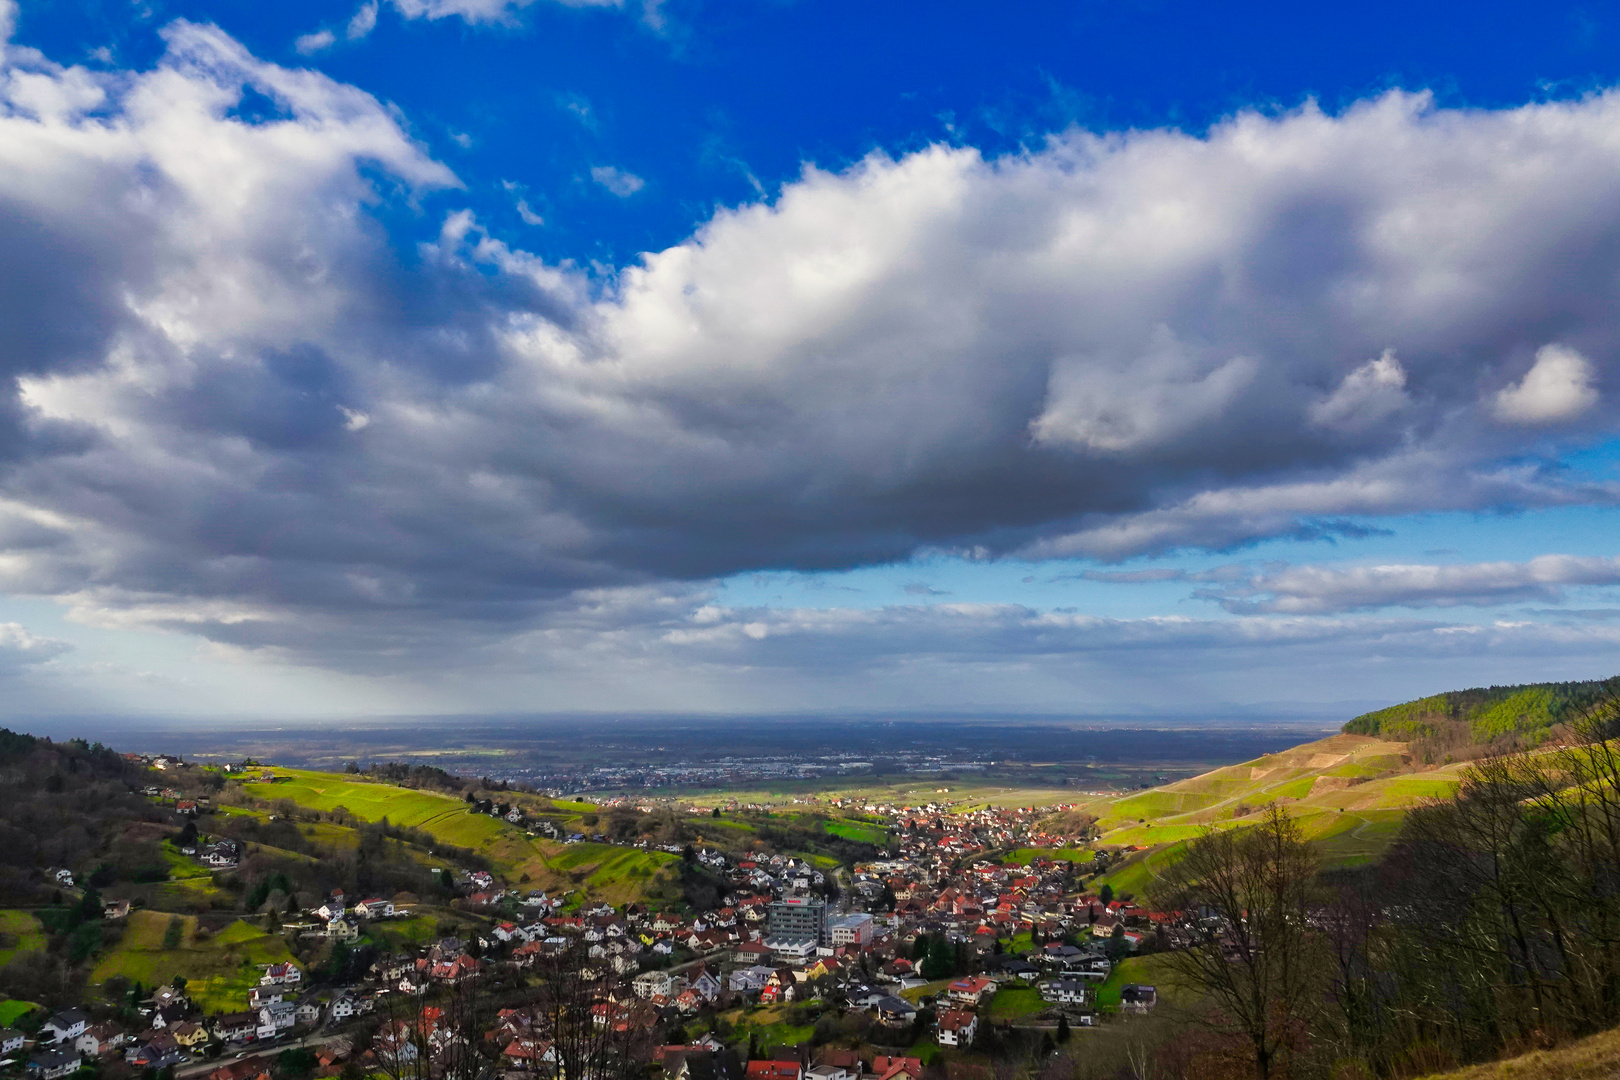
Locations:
941 959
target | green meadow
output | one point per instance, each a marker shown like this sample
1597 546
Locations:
219 969
23 934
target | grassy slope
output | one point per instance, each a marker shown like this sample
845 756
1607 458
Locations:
12 1011
1024 856
26 929
615 874
1015 1003
1349 793
1595 1058
770 1024
856 830
1154 971
443 817
219 970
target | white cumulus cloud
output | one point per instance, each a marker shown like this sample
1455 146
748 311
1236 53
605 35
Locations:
1557 387
1107 345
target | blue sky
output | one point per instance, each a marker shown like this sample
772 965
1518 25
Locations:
457 356
713 99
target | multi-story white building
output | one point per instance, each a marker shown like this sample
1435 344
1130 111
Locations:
856 929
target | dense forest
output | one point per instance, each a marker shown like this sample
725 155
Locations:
63 802
1465 724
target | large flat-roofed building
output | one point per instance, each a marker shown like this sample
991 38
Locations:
797 918
853 929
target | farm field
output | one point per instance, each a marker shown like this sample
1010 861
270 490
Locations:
907 792
23 934
612 873
219 970
368 801
607 872
1349 772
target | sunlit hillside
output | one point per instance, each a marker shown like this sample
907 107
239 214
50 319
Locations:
1349 792
1594 1058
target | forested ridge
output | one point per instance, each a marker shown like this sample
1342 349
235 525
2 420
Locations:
1486 718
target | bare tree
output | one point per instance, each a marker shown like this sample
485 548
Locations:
437 1037
598 1029
1249 891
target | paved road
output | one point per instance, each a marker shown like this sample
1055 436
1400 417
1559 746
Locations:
265 1049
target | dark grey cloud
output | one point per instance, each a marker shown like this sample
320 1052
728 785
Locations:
241 413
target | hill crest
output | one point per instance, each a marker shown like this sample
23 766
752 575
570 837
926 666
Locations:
1523 713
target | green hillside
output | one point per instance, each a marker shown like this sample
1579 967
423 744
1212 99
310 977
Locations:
1527 711
1348 792
221 968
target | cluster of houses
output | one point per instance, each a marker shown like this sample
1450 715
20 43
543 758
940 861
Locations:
334 919
216 854
68 1040
773 939
703 1061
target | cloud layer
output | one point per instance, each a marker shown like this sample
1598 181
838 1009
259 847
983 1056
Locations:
243 410
1299 590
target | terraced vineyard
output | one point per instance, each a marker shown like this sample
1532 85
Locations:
607 872
1349 793
597 871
